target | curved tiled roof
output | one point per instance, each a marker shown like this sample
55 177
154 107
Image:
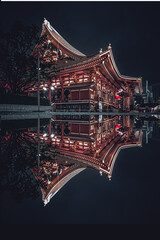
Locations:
61 183
61 40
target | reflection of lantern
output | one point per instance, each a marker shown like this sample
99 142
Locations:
118 126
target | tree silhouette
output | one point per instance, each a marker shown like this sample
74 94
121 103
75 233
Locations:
18 157
18 66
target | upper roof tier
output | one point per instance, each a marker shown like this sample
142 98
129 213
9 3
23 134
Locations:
60 39
104 60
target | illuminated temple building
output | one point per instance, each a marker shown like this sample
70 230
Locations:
82 83
75 145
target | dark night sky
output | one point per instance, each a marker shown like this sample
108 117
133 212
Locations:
133 29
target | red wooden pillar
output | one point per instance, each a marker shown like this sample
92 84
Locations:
75 77
62 90
75 146
95 93
49 85
62 130
90 76
101 87
50 128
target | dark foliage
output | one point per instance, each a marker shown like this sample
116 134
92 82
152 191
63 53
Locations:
18 154
18 66
18 157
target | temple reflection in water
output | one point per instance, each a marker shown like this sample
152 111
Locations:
49 156
74 145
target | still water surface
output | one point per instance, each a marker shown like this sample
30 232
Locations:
72 169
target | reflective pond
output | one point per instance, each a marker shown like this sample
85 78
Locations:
80 169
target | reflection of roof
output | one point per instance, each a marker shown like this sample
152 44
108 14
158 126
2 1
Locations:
61 40
117 153
119 147
60 184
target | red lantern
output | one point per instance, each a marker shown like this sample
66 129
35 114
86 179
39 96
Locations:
118 97
118 126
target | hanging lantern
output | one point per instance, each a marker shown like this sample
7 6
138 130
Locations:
117 96
118 126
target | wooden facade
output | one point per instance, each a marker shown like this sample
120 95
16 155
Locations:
81 82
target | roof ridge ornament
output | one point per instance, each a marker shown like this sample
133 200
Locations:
100 51
109 46
47 23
